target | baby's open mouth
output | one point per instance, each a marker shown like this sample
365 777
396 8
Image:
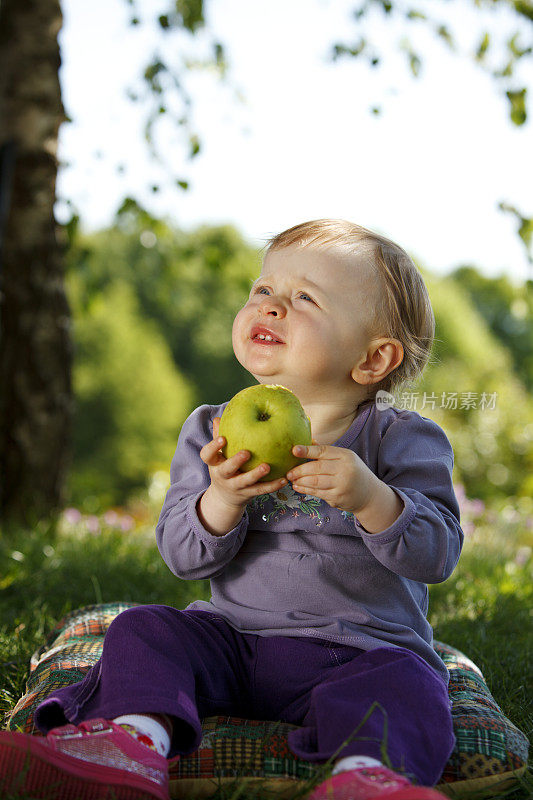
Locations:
263 335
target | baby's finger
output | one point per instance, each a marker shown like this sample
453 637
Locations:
252 476
309 484
253 480
216 426
315 451
210 452
233 465
310 468
271 486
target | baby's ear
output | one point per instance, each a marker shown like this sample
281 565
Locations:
381 358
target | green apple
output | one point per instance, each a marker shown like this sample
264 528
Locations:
267 421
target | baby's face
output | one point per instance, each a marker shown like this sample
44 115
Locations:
306 322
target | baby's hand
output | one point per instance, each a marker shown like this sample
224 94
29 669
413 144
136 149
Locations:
334 474
230 488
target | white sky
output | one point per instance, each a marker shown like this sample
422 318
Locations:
429 172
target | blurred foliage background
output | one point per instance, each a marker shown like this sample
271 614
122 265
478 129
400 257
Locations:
152 311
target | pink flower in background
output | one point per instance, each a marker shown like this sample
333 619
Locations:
126 522
470 509
115 519
111 518
477 507
72 516
459 492
92 524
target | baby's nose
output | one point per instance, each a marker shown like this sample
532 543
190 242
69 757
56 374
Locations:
272 305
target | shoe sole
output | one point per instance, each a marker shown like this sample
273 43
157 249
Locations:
29 766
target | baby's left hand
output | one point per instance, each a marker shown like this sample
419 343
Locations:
335 475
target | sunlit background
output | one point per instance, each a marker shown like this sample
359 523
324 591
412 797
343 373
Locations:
290 134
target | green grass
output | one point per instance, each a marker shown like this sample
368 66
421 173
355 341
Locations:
484 609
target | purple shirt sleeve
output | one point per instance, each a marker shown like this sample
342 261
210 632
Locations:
415 459
188 549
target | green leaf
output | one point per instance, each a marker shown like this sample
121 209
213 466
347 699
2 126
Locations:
415 62
191 13
415 14
514 48
525 232
194 146
445 34
342 50
525 229
525 8
360 12
518 106
219 54
153 70
507 70
483 47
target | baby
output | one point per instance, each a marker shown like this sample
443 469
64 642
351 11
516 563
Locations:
319 595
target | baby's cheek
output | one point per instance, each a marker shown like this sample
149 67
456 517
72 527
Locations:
238 331
237 320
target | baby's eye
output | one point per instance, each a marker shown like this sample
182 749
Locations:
304 296
262 290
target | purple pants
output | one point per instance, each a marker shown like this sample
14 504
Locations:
193 664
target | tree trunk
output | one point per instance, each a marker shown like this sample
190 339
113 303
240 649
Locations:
35 343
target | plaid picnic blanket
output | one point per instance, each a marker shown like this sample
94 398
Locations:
489 752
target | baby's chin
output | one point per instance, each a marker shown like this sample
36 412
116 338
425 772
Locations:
256 363
263 374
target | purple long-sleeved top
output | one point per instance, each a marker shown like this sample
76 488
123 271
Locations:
295 566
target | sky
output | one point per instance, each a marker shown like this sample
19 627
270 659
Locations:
289 135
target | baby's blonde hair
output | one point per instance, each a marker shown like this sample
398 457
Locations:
403 311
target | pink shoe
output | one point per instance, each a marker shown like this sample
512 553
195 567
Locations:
371 783
96 760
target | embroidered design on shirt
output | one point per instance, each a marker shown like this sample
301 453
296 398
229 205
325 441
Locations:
285 501
276 505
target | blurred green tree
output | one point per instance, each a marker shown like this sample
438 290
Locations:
153 308
130 399
473 390
190 284
508 311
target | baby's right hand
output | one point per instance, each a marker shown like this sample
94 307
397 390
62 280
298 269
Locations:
233 486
